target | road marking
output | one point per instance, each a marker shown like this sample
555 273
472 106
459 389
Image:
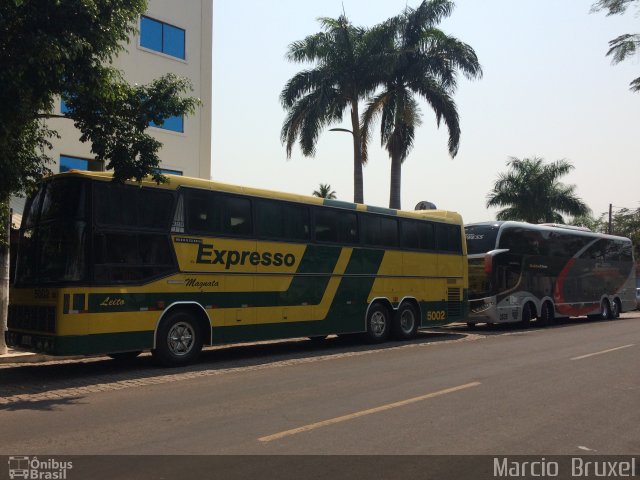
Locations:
603 351
586 449
362 413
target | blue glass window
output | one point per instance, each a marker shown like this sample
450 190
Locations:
73 163
63 106
162 37
175 124
173 41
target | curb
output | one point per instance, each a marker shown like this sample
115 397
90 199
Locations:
20 357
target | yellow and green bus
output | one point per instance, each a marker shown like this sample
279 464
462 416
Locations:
108 268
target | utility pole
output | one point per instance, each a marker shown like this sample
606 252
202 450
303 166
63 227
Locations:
610 210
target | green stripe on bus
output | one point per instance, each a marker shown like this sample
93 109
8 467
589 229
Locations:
339 203
385 211
102 343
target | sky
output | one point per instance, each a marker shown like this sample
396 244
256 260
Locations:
548 90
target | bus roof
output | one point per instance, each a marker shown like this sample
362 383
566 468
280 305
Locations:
546 228
176 181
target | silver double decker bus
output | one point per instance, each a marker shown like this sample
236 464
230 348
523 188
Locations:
519 272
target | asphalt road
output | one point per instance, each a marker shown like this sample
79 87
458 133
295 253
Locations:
572 389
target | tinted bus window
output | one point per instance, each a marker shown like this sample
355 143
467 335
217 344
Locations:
448 238
417 235
427 235
379 231
409 236
237 215
204 212
127 206
281 220
481 238
64 199
215 213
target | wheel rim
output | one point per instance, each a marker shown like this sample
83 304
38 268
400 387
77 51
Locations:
378 323
616 309
407 321
605 310
181 339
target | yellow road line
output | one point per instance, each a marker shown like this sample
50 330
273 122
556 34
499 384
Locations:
603 351
362 413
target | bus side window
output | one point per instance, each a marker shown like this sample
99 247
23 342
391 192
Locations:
326 225
448 238
409 234
237 215
203 212
347 227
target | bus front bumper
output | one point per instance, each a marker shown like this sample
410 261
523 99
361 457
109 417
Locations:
33 342
483 310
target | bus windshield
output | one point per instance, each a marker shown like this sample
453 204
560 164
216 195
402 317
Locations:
481 238
53 234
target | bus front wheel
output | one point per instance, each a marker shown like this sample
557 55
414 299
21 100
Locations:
378 323
525 321
179 340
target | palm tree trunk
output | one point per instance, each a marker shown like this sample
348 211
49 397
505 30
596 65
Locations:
396 180
358 191
5 231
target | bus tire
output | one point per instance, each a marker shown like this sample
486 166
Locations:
179 340
546 317
605 310
471 325
405 322
378 323
525 321
616 308
123 357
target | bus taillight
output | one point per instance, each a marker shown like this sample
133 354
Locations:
488 264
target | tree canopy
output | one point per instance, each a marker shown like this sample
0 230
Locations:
625 45
531 192
346 62
325 191
421 61
48 49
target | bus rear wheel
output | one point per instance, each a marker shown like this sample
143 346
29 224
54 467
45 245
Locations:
546 317
616 308
405 322
179 340
378 323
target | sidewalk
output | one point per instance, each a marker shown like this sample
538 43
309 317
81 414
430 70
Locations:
20 356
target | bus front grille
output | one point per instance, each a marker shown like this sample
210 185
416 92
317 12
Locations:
35 318
454 302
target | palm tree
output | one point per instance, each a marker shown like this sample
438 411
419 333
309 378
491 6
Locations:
344 72
422 61
626 45
530 192
325 191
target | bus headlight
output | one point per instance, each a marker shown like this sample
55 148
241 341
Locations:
481 308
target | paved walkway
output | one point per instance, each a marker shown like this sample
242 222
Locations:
20 356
